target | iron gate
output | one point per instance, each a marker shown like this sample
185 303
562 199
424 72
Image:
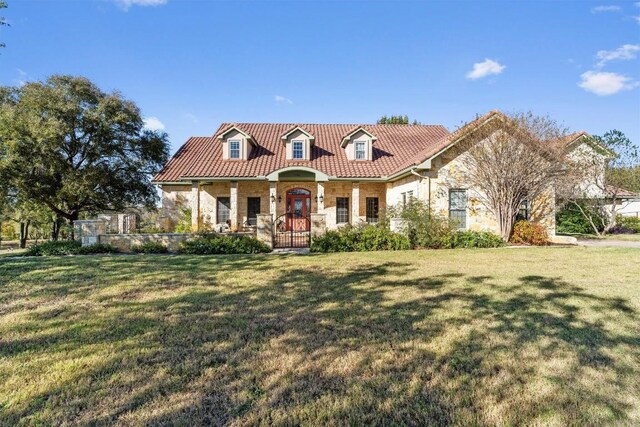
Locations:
292 230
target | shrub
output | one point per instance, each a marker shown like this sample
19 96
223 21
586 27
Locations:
184 222
150 248
359 239
475 239
423 228
54 247
68 247
569 220
153 229
529 233
98 248
630 223
213 243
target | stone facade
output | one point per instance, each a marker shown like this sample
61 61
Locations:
432 187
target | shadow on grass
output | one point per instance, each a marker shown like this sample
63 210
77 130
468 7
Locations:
259 339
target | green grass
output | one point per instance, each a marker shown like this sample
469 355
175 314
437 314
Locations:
531 336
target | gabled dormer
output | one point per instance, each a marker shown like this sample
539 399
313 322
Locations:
236 144
298 143
358 144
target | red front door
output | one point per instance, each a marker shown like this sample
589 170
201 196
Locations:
298 209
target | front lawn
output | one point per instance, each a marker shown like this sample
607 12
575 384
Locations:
537 336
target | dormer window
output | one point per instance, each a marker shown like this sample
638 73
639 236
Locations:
358 144
234 149
236 144
297 144
297 150
361 153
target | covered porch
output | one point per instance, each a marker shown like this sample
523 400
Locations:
295 190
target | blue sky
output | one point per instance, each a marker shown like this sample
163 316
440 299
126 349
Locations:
191 65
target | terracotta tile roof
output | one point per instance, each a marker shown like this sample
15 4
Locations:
448 139
395 147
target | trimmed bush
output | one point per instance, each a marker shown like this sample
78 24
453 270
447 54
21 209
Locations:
569 220
150 248
54 247
68 247
360 239
214 243
630 223
475 239
529 233
98 248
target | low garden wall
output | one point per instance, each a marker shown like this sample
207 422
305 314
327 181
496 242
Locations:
172 241
124 242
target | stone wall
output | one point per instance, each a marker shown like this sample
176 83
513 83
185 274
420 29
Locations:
124 242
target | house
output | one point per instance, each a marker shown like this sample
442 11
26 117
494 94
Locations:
348 172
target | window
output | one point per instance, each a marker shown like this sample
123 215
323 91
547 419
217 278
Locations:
372 209
406 198
524 212
234 149
360 150
253 209
458 207
224 210
298 151
342 210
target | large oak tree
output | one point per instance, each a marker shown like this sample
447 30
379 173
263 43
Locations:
74 148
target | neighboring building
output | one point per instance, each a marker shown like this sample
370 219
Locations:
351 173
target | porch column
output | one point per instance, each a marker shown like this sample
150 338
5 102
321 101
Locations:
273 189
320 194
233 198
355 203
195 206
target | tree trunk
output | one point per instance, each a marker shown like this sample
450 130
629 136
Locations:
74 217
505 220
24 233
55 229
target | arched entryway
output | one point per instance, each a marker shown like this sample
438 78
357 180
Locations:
298 209
292 228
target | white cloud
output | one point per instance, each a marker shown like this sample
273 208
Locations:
637 18
153 123
605 83
484 69
281 100
623 53
191 117
22 78
609 8
126 4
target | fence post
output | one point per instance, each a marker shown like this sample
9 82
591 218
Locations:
318 224
264 229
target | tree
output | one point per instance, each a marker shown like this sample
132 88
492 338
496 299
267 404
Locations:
604 173
74 148
3 21
396 120
25 213
509 160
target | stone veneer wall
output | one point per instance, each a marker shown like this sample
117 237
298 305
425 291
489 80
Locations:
172 241
124 242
